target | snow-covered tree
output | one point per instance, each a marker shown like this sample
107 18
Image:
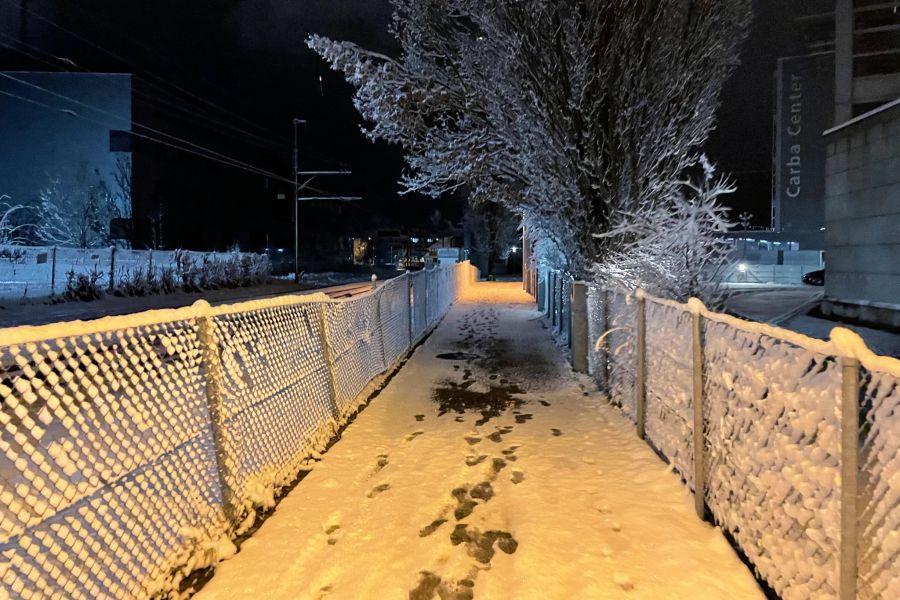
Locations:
15 222
567 111
676 248
76 211
494 231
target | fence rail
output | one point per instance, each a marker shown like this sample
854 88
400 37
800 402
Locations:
791 443
134 448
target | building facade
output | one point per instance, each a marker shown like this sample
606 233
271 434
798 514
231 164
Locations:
862 212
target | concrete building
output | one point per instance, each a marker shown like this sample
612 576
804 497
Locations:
851 66
70 126
862 214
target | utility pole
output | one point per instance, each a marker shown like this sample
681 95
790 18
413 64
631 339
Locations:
297 199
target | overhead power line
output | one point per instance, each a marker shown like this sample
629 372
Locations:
149 74
222 159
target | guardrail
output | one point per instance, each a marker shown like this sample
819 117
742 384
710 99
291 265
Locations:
790 444
136 448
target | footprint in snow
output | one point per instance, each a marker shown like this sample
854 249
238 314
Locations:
472 460
420 418
410 437
623 581
378 489
472 438
517 476
431 527
556 432
381 463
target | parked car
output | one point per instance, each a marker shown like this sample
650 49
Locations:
815 277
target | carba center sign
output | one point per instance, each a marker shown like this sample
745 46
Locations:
804 109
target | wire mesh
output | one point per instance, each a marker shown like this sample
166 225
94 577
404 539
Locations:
108 465
620 341
773 455
879 484
276 393
669 407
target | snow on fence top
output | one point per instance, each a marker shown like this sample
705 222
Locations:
813 505
134 448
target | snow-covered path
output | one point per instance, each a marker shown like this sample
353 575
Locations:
488 472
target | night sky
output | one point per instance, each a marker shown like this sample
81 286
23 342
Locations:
249 57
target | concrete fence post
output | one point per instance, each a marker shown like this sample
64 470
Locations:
53 271
579 327
325 340
212 375
697 402
849 477
640 385
112 268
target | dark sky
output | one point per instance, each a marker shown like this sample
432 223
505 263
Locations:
249 57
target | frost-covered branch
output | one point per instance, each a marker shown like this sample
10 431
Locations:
14 222
566 111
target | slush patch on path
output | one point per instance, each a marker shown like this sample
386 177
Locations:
453 397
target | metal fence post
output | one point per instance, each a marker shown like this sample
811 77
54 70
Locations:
329 359
212 375
849 477
551 306
379 325
112 267
697 401
53 271
579 328
409 303
640 386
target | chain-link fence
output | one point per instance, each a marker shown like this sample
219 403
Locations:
793 442
798 438
135 448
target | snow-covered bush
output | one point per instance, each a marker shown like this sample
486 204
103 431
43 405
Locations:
83 286
207 274
673 247
15 222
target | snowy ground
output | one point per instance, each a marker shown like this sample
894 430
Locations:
490 472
